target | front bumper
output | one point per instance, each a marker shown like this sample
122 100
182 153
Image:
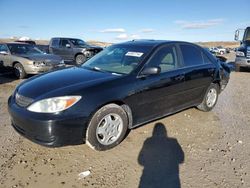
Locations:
45 129
242 61
31 69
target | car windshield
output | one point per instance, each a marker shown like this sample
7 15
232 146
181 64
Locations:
247 34
77 42
24 49
121 59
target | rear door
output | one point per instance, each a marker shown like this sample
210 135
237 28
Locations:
54 46
199 73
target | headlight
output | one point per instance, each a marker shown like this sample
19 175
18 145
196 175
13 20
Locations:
39 63
240 54
53 105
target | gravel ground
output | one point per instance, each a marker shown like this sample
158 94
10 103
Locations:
187 149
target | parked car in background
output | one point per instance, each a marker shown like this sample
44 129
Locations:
73 49
243 52
122 87
218 50
27 59
222 50
26 40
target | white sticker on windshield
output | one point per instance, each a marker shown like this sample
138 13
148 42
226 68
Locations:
134 54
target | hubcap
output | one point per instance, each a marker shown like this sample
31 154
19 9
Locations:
79 59
18 71
211 97
109 129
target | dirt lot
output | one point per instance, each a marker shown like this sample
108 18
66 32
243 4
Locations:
193 148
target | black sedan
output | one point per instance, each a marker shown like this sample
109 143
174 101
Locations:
122 87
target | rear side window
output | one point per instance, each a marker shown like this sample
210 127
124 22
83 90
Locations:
206 59
55 42
191 55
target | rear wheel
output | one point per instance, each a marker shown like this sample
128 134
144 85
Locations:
107 127
210 98
19 71
80 59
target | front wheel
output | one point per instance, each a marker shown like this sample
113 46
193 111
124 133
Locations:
210 98
80 59
19 71
107 127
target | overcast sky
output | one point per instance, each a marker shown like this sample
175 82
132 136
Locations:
121 20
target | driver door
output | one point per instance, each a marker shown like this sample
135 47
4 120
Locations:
66 50
162 93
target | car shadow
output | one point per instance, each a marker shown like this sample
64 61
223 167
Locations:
160 156
6 75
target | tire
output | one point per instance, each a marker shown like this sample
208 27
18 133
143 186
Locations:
80 59
210 98
19 71
107 127
237 68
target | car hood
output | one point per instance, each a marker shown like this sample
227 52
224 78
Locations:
41 57
62 82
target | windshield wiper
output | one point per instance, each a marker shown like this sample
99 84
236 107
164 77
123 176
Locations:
94 68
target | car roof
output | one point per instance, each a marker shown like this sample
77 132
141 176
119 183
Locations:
16 43
65 38
151 42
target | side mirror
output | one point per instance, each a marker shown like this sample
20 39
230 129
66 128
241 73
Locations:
150 71
4 53
236 36
68 46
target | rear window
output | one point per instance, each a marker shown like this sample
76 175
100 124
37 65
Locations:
206 59
191 55
3 48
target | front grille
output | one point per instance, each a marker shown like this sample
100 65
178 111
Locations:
22 100
248 52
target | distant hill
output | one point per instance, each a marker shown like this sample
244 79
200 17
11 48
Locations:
229 44
46 42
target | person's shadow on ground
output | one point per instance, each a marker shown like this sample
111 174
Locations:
160 157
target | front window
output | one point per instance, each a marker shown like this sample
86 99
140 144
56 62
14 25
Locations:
121 59
24 49
77 42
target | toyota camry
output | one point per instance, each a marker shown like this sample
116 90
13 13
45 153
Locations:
124 86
